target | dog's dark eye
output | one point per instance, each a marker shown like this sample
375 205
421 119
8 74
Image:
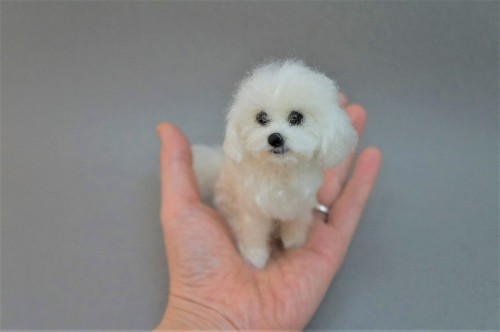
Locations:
262 119
295 118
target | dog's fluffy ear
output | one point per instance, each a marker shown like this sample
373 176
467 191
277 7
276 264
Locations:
339 138
232 145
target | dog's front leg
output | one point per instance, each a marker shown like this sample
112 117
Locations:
294 232
252 234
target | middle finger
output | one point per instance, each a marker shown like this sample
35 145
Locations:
335 177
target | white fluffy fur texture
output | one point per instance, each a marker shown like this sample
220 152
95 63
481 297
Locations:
260 189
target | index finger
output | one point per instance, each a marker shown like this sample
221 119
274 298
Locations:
178 183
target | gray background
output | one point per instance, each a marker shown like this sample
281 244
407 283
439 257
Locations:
84 84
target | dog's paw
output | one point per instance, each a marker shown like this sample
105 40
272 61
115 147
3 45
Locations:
293 234
293 240
256 256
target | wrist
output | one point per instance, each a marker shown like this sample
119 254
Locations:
184 314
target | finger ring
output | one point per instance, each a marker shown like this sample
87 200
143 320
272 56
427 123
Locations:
322 208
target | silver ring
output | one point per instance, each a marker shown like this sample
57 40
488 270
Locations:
322 208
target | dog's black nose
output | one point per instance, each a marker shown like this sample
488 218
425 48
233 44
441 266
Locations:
275 140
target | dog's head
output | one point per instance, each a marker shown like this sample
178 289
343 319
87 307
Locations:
285 112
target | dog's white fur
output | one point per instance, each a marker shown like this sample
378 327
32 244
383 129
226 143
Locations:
258 191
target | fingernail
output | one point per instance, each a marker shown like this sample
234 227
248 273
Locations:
372 153
161 130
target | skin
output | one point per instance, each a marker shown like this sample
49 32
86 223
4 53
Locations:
211 287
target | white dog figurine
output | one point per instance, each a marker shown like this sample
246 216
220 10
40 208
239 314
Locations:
284 128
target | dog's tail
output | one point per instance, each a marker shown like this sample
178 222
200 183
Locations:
206 165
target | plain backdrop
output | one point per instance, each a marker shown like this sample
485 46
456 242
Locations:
83 85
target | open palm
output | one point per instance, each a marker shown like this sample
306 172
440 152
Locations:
211 287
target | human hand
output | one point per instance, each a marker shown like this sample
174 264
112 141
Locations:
211 287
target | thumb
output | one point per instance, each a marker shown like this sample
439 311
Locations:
178 183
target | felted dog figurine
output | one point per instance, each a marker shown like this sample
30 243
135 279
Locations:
284 128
